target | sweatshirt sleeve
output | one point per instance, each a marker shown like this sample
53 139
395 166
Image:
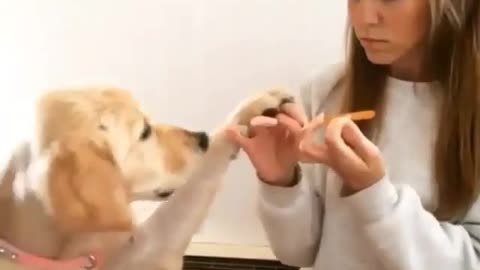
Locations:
406 236
292 216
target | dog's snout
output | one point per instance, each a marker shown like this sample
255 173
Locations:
202 140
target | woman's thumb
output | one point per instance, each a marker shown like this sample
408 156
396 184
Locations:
236 136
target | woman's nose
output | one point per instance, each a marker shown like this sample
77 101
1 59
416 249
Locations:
365 12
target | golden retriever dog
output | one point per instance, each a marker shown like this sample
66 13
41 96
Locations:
65 193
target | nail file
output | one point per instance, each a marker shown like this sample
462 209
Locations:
355 116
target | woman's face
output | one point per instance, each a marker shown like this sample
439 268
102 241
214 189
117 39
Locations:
389 30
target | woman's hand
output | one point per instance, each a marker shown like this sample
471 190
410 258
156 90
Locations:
273 149
347 151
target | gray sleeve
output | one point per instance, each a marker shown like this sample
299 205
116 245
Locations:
292 216
405 236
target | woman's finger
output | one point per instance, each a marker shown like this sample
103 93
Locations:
313 153
264 121
362 146
309 130
294 111
234 134
318 121
259 131
338 150
290 124
271 125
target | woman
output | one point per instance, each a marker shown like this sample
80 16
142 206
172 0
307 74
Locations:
399 191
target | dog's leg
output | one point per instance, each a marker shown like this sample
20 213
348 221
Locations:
18 160
160 242
17 163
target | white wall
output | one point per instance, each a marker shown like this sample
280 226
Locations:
188 61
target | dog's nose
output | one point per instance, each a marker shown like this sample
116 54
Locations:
202 140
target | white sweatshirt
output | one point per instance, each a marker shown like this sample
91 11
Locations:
386 226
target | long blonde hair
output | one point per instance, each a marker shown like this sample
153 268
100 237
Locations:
454 60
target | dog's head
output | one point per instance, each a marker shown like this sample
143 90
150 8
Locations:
104 152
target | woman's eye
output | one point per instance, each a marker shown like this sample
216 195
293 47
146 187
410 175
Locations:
147 131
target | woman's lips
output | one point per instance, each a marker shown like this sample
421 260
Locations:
373 43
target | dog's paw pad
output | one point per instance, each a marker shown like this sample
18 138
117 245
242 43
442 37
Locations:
270 112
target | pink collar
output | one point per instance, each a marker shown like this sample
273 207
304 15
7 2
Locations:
31 261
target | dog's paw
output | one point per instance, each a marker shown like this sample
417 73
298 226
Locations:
266 103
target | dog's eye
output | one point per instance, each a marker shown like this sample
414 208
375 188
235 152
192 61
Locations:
147 131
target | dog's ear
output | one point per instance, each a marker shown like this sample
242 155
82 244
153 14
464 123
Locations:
86 190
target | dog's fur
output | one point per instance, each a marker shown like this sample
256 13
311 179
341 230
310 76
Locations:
94 151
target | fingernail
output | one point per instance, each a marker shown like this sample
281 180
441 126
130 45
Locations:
301 145
263 121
